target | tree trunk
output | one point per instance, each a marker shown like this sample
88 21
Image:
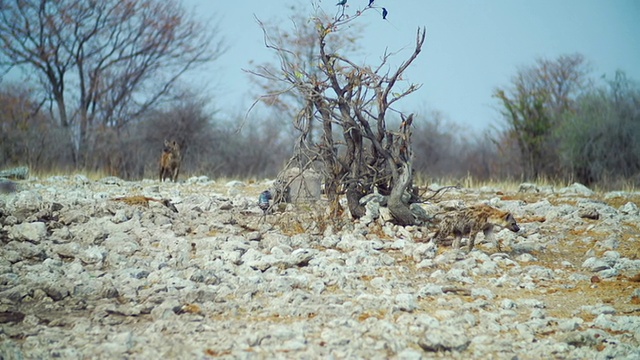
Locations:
354 194
331 190
399 210
402 174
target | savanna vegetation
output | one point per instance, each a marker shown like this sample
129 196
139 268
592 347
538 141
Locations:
97 86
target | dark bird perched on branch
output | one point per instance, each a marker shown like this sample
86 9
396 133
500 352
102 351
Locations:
384 14
370 3
263 201
342 2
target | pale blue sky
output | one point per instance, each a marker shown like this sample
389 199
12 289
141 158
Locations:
472 46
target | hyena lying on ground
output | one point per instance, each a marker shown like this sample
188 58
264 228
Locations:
471 221
170 161
144 201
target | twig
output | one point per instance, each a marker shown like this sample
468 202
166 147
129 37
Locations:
435 193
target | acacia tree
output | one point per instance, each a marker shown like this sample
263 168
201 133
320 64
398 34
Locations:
351 102
101 63
534 104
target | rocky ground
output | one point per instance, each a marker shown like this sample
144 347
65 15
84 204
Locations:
86 276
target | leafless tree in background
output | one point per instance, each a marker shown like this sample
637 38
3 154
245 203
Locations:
101 64
26 135
299 36
439 145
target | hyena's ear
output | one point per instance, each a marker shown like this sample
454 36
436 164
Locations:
166 142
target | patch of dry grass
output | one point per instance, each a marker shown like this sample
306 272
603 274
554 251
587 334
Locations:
619 201
91 175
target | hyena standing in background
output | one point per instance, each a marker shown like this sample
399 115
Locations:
170 161
471 221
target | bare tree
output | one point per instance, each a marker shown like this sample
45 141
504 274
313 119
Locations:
301 41
101 63
351 102
441 145
26 135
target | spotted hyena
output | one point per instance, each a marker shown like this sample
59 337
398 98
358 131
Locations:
470 221
170 161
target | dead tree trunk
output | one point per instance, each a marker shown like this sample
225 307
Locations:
403 175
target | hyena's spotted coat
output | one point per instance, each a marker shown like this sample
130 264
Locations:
170 161
470 221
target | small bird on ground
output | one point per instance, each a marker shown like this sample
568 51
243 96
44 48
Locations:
263 201
7 186
384 14
342 3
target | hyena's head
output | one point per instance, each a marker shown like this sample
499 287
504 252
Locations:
502 219
171 147
508 221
